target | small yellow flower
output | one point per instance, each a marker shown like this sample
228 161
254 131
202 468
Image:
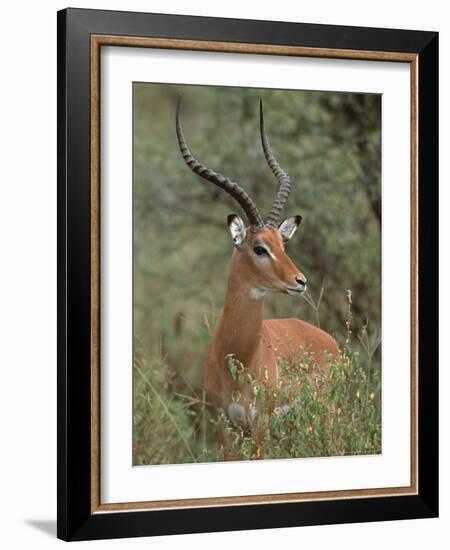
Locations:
357 394
372 396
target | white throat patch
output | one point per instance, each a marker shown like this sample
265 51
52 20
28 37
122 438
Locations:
257 293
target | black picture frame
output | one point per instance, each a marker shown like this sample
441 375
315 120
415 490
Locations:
75 518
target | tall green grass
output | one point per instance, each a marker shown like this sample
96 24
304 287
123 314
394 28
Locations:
172 422
330 414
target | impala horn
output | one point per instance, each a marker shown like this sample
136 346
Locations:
232 188
284 180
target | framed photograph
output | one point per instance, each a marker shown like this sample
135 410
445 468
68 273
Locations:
247 253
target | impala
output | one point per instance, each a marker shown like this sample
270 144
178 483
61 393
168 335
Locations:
259 264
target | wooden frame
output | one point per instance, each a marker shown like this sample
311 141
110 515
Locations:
81 34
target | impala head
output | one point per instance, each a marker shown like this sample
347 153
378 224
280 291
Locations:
260 247
262 258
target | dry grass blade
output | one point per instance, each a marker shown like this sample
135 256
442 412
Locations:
166 410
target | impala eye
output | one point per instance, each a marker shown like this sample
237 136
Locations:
260 251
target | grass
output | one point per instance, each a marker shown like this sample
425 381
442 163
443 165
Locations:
330 414
171 423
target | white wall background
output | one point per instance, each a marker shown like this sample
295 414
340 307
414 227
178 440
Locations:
28 272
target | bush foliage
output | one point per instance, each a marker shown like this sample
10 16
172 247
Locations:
332 414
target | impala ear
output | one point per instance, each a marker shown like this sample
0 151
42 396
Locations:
237 230
289 227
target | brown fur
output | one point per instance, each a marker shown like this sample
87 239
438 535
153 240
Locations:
258 344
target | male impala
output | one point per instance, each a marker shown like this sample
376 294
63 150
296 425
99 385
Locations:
259 264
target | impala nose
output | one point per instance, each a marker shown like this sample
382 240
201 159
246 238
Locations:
301 281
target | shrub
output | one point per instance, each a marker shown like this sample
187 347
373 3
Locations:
329 414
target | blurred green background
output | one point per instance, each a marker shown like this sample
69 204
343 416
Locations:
330 145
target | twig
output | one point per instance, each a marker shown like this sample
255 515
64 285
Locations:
203 423
370 348
315 306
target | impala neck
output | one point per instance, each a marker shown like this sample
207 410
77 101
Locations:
241 324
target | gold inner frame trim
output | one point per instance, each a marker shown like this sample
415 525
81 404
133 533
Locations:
97 41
